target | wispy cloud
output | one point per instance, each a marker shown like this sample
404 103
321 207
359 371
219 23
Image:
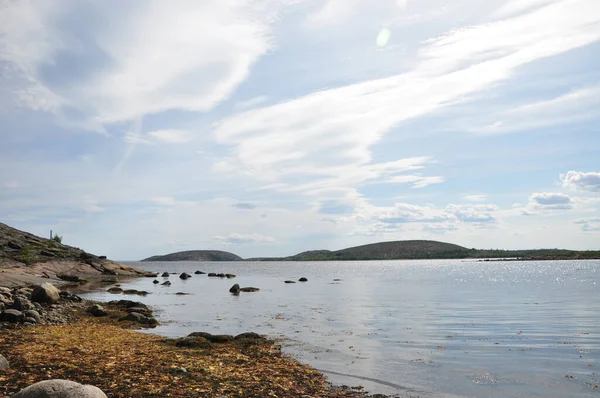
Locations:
551 201
171 136
240 239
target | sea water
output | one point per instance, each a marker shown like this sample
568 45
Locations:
417 328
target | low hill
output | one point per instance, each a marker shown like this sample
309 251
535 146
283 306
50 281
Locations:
26 259
406 249
196 255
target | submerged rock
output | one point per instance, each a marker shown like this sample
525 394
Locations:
165 275
290 281
199 273
167 283
155 281
60 389
234 289
229 276
115 290
303 279
185 276
249 289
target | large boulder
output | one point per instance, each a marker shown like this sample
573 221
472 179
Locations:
45 293
11 316
3 363
60 389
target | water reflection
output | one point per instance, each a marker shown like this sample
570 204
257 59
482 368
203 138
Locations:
497 329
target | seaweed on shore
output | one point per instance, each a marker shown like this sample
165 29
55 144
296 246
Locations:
125 363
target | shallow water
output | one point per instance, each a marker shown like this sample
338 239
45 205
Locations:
441 327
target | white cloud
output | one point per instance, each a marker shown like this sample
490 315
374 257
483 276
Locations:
164 200
581 181
589 224
512 7
475 198
151 57
236 238
551 201
473 213
171 136
252 102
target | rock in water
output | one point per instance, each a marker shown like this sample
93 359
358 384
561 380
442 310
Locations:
3 363
249 289
185 276
60 389
303 279
165 275
45 293
155 281
167 283
199 273
234 289
290 282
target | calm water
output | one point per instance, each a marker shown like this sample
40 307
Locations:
439 328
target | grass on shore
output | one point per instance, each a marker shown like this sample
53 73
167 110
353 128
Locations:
125 363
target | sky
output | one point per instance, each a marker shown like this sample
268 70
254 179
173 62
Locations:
270 127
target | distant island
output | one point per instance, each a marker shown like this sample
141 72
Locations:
196 255
396 250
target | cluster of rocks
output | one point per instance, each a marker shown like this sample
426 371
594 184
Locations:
31 306
118 290
136 312
205 340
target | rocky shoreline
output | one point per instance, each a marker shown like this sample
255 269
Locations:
49 334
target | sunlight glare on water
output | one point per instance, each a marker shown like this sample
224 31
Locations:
494 329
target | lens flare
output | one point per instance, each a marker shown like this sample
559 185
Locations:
383 37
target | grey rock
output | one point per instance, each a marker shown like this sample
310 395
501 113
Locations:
249 335
234 289
141 319
185 276
33 314
249 289
97 310
155 282
21 303
166 283
11 316
193 341
30 320
60 389
165 275
303 279
4 365
45 293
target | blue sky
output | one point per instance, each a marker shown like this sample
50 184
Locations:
270 127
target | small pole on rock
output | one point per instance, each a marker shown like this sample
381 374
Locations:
50 234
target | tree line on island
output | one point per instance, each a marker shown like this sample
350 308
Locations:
396 250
